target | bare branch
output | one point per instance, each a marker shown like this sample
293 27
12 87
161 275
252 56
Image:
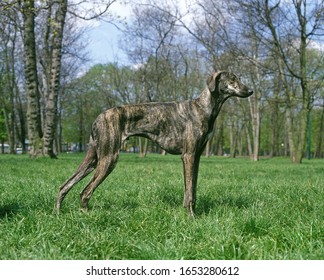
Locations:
96 15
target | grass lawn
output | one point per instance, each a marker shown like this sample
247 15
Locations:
269 209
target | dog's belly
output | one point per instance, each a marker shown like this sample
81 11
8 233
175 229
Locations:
167 137
171 145
159 122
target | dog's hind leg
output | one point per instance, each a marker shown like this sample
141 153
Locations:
86 167
105 166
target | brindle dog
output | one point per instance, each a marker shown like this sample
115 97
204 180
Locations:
181 128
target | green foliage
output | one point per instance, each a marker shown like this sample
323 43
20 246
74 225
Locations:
3 131
246 210
86 97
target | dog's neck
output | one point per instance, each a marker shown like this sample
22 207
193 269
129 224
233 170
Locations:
210 104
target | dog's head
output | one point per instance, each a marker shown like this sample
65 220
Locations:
227 84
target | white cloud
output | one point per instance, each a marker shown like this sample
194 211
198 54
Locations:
121 9
316 45
104 36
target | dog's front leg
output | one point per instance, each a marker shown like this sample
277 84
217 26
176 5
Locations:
190 171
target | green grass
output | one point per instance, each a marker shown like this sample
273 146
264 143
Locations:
245 210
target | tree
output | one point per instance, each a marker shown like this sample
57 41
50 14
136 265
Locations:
12 98
100 88
3 132
8 36
35 132
42 140
286 31
319 137
54 38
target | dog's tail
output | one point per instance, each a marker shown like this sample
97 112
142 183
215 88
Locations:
85 168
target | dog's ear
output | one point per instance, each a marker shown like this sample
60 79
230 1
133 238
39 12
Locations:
212 81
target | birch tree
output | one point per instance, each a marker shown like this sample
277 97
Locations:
42 131
35 132
8 41
53 55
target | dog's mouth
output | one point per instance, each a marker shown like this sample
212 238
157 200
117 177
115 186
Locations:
245 94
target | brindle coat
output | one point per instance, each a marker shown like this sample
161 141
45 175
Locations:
177 127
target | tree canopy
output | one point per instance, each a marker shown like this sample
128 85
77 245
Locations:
276 47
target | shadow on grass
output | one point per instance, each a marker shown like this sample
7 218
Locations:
173 199
256 227
205 204
9 210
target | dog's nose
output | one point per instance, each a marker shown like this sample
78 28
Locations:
250 92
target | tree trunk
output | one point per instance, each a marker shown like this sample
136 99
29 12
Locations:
219 146
306 106
296 137
21 120
59 138
240 144
248 142
32 87
274 149
51 111
274 132
301 136
233 137
290 134
207 149
320 134
142 148
11 82
255 114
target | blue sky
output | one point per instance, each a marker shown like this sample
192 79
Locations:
103 45
104 36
